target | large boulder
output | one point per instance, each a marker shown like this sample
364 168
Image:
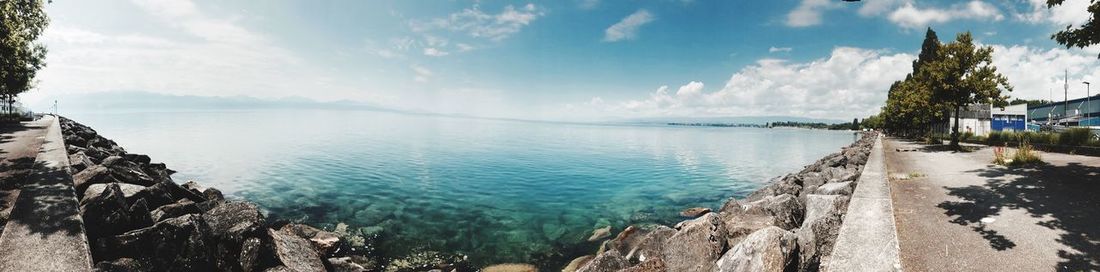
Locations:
107 213
95 174
649 265
785 209
294 252
78 162
345 264
177 244
768 249
836 188
127 171
696 245
121 265
577 263
181 207
510 267
610 260
323 241
156 195
817 236
251 253
128 190
234 221
651 245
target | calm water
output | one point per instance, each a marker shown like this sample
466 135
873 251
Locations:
499 191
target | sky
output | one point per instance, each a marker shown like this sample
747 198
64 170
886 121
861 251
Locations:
571 60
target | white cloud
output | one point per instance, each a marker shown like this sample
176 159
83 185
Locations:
464 47
186 51
774 49
477 23
588 4
808 12
878 7
851 82
1036 73
627 28
421 74
1071 12
431 51
912 17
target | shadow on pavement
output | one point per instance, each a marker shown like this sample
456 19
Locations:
1067 195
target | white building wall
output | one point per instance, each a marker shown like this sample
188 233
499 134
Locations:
980 127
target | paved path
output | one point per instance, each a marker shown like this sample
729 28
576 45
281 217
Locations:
957 212
19 145
45 231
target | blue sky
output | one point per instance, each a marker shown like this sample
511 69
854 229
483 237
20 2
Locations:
556 60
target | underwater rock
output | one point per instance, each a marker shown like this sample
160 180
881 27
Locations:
577 263
511 267
694 212
600 234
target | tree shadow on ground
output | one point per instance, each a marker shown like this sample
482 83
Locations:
937 148
1066 194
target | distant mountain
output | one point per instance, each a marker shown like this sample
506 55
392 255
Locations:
734 120
136 100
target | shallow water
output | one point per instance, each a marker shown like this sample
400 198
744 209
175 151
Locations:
498 191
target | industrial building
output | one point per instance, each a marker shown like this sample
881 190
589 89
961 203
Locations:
1078 112
981 119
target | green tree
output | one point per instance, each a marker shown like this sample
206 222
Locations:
909 110
964 74
1083 35
21 55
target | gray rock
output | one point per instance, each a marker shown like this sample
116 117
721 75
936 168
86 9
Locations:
251 249
78 162
294 252
177 244
600 234
651 245
181 207
106 213
835 188
92 175
323 241
344 264
156 195
136 158
577 263
610 260
696 245
768 249
128 190
428 260
649 265
694 212
234 221
819 205
121 265
786 210
818 233
127 171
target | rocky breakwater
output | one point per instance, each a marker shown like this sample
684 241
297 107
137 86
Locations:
791 224
138 219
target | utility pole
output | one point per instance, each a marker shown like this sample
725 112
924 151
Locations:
1088 100
1065 99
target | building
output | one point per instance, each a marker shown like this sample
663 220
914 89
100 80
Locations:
981 119
1077 112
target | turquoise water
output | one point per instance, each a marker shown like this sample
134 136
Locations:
498 191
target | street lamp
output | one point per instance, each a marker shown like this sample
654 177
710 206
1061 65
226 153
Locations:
1088 100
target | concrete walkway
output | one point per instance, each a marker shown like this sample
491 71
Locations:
867 240
19 144
45 231
958 212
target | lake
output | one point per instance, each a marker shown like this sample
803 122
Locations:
497 190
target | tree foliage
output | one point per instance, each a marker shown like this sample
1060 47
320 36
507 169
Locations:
945 78
1080 36
964 74
21 55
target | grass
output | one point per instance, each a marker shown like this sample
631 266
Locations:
1025 155
915 174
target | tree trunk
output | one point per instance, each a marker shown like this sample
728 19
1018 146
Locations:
955 130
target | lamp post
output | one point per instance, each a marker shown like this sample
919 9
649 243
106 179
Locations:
1088 100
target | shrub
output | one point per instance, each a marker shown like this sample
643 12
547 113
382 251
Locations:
1075 136
966 136
999 155
1025 154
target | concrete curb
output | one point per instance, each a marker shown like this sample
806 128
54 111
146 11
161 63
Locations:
868 238
45 231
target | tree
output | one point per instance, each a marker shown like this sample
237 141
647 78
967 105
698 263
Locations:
21 55
855 124
1082 36
964 74
909 110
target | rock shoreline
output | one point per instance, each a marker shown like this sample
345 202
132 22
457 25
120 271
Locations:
791 224
139 219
